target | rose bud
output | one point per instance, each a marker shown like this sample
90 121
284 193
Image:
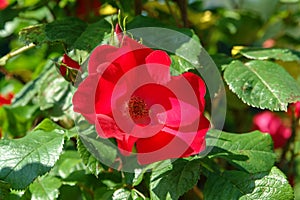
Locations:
69 68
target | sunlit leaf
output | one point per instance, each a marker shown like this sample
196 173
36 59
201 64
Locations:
262 84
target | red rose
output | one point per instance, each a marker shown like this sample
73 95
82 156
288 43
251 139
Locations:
270 123
130 95
6 99
3 4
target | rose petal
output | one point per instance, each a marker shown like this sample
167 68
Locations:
160 72
100 55
170 143
126 144
107 128
84 98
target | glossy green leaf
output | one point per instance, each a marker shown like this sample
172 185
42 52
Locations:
23 160
262 84
244 186
121 194
45 188
88 159
266 54
252 152
174 180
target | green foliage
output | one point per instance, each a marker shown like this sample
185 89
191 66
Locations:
262 84
71 32
241 185
23 160
88 159
100 148
45 187
267 54
174 180
251 152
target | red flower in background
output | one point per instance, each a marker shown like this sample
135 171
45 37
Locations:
85 7
3 4
295 108
6 99
130 95
269 122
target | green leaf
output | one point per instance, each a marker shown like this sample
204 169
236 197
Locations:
265 54
121 194
68 162
53 91
30 90
93 35
173 181
48 125
244 186
65 30
252 152
102 149
103 193
33 34
45 188
4 189
88 159
72 32
179 65
19 119
262 84
23 160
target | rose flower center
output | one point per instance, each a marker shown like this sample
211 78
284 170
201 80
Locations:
137 108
